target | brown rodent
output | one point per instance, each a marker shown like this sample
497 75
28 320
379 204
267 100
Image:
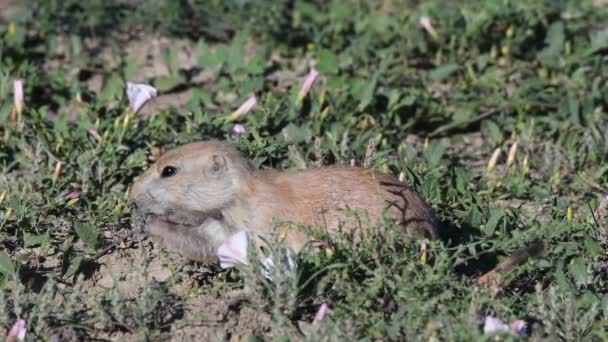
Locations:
197 195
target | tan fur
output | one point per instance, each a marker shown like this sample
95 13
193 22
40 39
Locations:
216 192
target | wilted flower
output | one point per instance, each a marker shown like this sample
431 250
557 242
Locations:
18 95
72 195
234 250
139 94
597 213
323 311
425 22
512 153
493 159
95 134
493 325
308 82
238 129
57 172
17 332
245 107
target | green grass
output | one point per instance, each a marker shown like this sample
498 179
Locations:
499 72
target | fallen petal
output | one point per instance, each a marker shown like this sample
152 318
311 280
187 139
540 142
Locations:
139 94
234 250
71 195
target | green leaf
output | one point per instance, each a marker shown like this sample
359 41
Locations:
71 266
495 216
593 247
167 83
578 271
328 62
170 59
76 45
368 93
555 43
208 58
32 240
442 72
6 265
599 40
256 65
237 52
434 153
113 88
295 134
87 232
491 129
130 70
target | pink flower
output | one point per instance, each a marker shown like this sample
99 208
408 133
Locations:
18 95
425 22
238 129
139 94
234 250
308 82
323 311
17 332
245 107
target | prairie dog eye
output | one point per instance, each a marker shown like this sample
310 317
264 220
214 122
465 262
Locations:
168 171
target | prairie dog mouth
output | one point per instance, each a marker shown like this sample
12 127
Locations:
165 222
173 222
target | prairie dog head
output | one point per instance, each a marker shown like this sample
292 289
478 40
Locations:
188 187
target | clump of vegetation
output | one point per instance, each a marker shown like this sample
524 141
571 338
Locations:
496 114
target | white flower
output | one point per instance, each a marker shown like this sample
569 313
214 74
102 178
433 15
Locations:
238 129
493 325
234 250
139 94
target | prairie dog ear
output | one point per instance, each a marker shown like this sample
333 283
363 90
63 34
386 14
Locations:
218 163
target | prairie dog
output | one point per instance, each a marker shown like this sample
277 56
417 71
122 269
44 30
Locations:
197 195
